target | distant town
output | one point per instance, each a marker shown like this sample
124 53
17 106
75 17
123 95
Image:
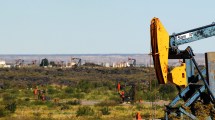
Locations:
71 60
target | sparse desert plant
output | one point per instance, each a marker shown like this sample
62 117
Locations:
38 102
78 95
121 108
64 107
115 98
146 115
27 99
50 116
80 83
105 110
139 107
37 115
49 104
7 98
84 111
3 112
167 91
51 90
85 86
11 107
69 90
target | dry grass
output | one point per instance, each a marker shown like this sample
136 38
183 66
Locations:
119 112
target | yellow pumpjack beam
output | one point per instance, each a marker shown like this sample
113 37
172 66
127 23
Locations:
160 53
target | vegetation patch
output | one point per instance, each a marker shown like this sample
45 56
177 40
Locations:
85 111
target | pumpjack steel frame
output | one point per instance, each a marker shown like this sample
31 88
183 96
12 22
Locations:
165 47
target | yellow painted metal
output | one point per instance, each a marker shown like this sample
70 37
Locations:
160 49
178 75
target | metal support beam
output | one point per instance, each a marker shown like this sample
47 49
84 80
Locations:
195 96
179 96
192 35
188 114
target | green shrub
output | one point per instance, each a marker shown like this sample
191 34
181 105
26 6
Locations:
167 91
3 112
11 107
146 115
84 111
49 104
120 108
105 110
38 102
109 85
22 102
139 107
78 95
115 98
64 107
37 115
97 84
52 91
27 99
69 90
6 85
85 86
7 98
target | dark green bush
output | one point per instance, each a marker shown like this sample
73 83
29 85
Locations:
167 91
139 107
64 107
69 90
105 110
49 104
6 85
84 111
27 99
146 115
115 98
78 95
109 85
7 98
3 112
11 107
85 86
37 115
52 91
38 102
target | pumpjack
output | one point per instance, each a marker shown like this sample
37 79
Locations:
194 85
132 62
77 61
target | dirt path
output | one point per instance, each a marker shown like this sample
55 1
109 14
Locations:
160 103
93 102
90 102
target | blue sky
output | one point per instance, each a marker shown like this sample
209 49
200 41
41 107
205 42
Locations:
96 26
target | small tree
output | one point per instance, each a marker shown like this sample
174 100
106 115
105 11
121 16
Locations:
44 62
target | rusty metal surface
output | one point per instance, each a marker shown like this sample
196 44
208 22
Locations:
159 44
210 66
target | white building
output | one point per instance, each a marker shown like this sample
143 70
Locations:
3 64
121 64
